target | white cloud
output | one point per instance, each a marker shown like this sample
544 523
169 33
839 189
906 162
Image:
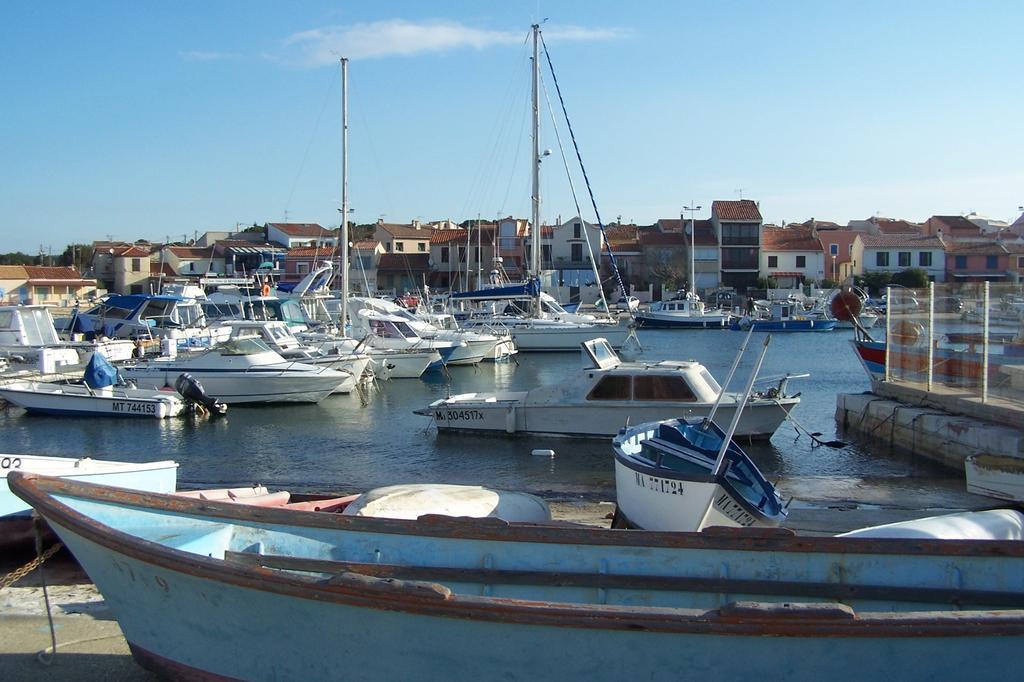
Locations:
397 37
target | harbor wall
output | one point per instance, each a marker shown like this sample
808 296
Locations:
925 430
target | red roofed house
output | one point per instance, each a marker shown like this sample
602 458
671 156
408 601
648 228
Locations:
843 251
449 249
792 255
192 261
122 268
953 227
877 225
292 235
413 238
299 261
362 262
895 252
402 272
738 229
977 261
513 234
36 284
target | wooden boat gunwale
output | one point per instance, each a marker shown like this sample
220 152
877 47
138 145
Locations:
361 591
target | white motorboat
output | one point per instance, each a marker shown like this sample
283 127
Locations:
42 397
147 316
29 341
391 333
683 313
16 515
243 371
608 394
471 346
688 475
101 394
999 476
279 338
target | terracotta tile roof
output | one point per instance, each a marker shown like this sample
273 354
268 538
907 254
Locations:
157 268
447 236
742 210
404 262
13 272
977 248
892 241
789 239
131 252
323 252
406 231
669 224
822 224
957 223
896 226
55 273
302 229
365 245
191 252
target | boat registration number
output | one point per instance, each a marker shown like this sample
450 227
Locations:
458 415
658 485
732 509
10 463
133 408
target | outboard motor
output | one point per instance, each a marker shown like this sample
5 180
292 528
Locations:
194 394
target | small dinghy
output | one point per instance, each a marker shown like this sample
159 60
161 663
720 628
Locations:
101 394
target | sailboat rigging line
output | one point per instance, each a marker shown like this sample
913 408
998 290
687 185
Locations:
309 143
586 179
576 201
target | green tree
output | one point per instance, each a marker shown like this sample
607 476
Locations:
76 255
911 278
874 282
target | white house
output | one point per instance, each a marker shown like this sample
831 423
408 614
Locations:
292 235
895 252
791 255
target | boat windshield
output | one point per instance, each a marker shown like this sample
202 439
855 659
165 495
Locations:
710 381
243 346
38 327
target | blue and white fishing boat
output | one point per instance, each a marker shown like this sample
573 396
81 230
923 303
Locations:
16 515
102 393
688 312
215 590
782 317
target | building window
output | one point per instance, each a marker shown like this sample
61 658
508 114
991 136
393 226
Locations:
420 246
734 234
444 254
904 259
399 246
960 262
462 254
1020 262
387 246
991 262
575 230
833 249
136 264
739 259
773 261
882 259
924 259
577 252
545 253
302 268
801 261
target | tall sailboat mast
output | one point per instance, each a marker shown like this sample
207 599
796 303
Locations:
535 230
344 195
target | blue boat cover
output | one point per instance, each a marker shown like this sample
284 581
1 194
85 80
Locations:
99 373
530 289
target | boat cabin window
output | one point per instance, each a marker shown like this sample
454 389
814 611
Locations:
662 388
222 310
611 387
110 312
38 327
243 346
6 317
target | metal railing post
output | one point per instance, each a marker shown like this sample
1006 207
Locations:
984 347
888 331
931 333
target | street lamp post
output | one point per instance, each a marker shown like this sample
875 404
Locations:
693 274
834 275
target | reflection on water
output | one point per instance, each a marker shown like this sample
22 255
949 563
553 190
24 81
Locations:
371 438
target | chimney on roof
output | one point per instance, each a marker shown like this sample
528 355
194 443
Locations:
415 224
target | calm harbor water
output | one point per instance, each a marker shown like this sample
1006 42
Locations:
372 438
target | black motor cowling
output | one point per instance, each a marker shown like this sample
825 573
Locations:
194 394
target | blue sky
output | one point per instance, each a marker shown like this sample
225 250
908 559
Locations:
148 120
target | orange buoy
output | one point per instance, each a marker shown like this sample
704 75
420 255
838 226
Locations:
845 306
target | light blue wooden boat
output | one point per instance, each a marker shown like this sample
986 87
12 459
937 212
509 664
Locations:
213 590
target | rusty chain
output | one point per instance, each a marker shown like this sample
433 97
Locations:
17 574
